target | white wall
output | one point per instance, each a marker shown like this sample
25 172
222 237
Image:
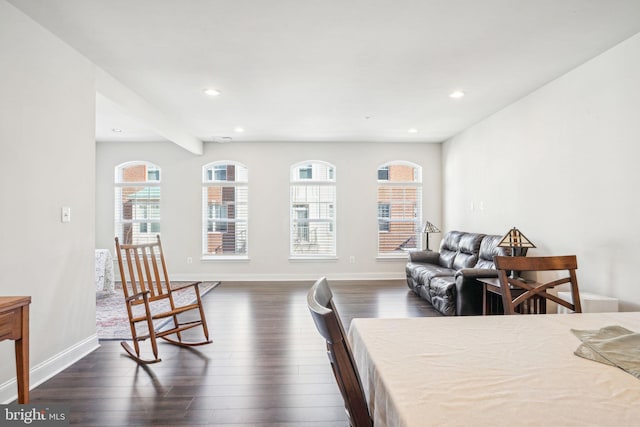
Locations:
47 155
562 165
269 163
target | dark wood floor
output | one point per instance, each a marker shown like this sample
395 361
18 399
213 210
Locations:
266 367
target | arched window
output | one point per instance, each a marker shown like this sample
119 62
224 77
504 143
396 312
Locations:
399 208
225 209
313 210
137 203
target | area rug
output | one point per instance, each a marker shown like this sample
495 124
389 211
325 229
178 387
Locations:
112 322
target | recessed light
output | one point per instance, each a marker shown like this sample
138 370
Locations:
456 94
116 130
413 130
239 129
211 92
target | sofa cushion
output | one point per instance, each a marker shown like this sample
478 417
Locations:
488 249
423 273
449 248
468 248
414 269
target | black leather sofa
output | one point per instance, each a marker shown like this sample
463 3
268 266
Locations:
447 279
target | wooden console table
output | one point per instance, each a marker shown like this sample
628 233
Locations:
14 325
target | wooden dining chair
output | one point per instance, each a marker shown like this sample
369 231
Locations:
524 297
325 316
149 297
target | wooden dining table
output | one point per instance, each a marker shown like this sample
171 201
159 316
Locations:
14 325
491 371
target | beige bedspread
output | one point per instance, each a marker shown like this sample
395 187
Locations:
491 371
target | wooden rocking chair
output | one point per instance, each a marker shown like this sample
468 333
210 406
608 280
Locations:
146 284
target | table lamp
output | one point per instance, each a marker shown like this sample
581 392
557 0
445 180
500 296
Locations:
426 230
514 239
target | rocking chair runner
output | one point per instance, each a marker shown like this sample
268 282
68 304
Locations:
145 282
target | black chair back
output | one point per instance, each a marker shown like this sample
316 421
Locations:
325 316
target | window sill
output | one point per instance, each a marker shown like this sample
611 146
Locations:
393 258
237 258
313 258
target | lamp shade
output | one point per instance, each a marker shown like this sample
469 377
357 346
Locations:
515 239
429 228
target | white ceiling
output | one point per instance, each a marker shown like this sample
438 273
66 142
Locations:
329 70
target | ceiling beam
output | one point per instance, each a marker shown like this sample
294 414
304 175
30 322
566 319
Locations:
142 110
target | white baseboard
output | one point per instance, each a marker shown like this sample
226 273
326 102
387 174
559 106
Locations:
285 277
50 367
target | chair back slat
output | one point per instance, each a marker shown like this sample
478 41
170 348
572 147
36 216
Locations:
142 267
135 286
531 298
147 255
163 264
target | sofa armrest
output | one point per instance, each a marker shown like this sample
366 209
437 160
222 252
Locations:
469 290
473 273
427 257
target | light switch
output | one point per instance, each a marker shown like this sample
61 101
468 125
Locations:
66 214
